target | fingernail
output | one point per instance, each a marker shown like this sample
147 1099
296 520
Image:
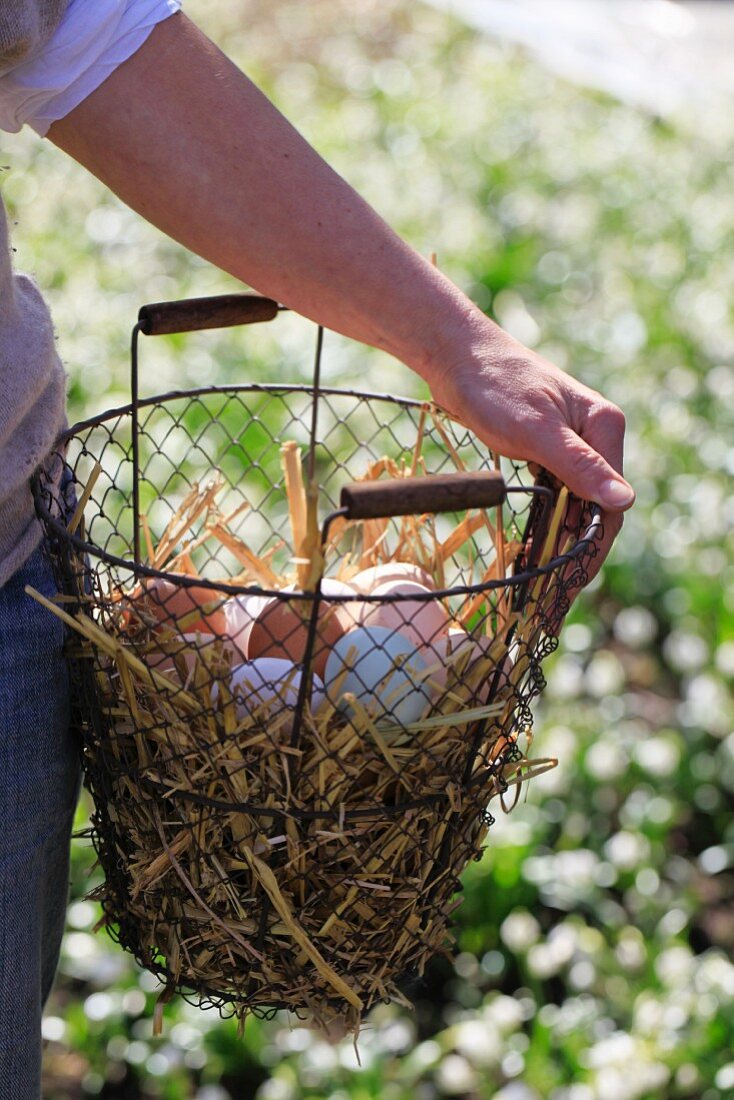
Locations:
615 494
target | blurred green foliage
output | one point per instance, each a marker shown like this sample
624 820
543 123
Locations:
596 932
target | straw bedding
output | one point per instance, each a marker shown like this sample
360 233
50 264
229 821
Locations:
314 873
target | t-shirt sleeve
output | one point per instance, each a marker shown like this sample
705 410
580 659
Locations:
92 39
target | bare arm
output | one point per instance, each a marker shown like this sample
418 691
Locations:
183 137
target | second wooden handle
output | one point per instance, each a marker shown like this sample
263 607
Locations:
190 314
416 495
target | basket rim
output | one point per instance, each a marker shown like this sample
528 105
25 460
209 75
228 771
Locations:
250 387
582 544
184 581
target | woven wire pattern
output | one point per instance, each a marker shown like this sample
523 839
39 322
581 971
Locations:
255 857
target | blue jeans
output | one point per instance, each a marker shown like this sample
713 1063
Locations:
39 788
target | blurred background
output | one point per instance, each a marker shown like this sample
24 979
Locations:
570 164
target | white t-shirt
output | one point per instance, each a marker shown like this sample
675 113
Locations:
93 38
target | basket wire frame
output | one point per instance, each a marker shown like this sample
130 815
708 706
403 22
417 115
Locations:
368 855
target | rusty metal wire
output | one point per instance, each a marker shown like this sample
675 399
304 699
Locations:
258 853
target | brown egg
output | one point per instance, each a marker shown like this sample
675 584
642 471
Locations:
280 628
171 603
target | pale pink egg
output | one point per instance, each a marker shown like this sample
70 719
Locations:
423 621
439 654
448 651
368 579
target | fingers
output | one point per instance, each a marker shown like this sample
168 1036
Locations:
611 525
596 461
603 429
586 471
580 572
536 413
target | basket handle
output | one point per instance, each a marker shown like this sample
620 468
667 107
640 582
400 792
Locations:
186 315
192 314
416 495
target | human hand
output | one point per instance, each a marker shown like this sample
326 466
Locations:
524 407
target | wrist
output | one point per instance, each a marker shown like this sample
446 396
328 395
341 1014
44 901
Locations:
461 337
446 330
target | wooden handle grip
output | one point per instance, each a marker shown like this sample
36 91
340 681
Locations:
416 495
221 311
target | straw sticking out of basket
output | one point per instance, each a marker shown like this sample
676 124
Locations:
311 871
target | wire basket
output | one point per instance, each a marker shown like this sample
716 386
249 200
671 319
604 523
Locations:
297 693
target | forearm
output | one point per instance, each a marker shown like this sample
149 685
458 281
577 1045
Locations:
182 136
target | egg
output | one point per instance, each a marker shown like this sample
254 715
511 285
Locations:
271 683
190 647
368 579
492 684
423 621
240 612
280 626
382 669
170 603
438 655
442 655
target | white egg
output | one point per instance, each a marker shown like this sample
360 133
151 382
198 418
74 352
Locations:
240 612
421 620
347 611
269 684
330 586
382 669
368 579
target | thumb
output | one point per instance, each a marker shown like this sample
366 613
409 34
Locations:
586 472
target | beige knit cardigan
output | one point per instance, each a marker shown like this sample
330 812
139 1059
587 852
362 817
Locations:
31 376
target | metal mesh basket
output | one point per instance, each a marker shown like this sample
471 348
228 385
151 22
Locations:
288 779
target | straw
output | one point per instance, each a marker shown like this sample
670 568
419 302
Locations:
84 498
297 507
308 874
